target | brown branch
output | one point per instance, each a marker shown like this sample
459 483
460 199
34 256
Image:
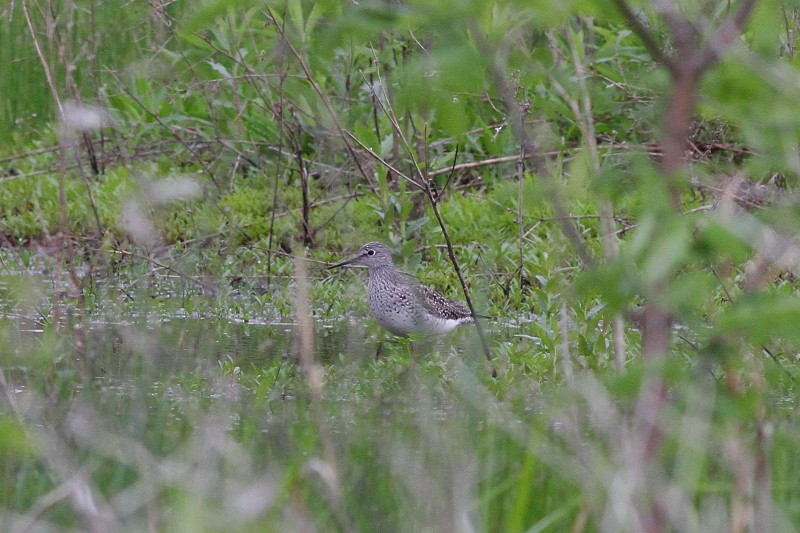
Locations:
727 33
323 97
385 163
432 196
45 66
532 153
478 164
171 131
327 466
649 42
194 279
430 193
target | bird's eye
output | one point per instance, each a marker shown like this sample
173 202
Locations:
370 252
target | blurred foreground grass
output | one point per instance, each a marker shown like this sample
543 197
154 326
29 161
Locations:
162 422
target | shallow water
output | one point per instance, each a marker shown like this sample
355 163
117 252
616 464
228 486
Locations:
169 323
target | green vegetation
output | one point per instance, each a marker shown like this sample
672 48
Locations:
617 183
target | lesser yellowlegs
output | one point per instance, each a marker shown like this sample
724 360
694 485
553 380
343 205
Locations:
401 305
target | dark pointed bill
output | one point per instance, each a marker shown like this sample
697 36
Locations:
343 263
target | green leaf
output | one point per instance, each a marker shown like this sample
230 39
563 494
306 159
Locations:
762 318
716 241
367 135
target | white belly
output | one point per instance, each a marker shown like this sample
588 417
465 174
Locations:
402 321
398 307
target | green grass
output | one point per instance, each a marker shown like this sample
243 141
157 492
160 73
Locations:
208 423
194 433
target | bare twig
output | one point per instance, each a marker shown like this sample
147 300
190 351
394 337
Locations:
432 196
385 163
197 281
728 32
45 66
324 98
533 154
195 155
279 116
644 34
686 73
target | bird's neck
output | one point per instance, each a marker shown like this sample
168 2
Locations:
384 273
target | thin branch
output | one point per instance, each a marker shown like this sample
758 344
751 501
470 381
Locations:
727 33
452 169
477 164
279 113
327 467
383 162
645 36
432 198
195 156
532 153
50 82
174 270
323 97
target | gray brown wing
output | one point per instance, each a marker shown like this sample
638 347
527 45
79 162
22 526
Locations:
438 305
